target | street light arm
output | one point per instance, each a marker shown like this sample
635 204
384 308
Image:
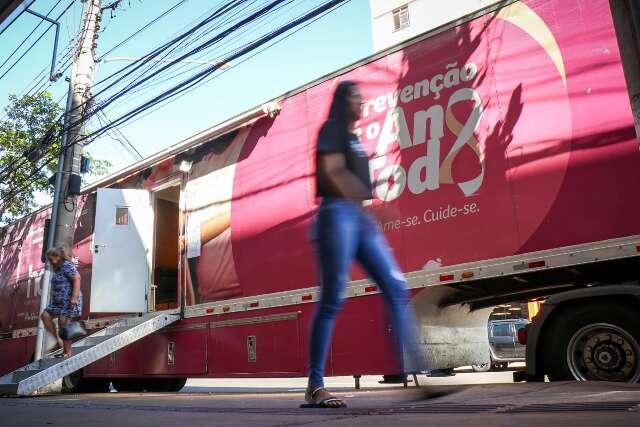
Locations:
52 75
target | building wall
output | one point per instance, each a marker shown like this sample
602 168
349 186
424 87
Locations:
424 15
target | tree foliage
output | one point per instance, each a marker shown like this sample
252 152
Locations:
23 184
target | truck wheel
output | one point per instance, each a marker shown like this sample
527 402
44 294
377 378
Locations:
483 367
125 385
77 383
178 384
596 342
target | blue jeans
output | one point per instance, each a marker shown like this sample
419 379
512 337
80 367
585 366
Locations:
342 232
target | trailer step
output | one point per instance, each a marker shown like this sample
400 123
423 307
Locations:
28 379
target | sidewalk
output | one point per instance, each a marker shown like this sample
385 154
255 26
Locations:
549 404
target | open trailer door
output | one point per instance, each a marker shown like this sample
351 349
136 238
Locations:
123 239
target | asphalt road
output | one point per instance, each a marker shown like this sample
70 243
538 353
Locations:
485 399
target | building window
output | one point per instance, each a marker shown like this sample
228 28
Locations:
401 17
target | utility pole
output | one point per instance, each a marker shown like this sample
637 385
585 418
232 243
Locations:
63 212
80 88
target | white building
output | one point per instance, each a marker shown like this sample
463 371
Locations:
394 21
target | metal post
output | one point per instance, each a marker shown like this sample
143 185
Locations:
46 280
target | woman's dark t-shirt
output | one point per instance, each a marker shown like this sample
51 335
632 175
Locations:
357 161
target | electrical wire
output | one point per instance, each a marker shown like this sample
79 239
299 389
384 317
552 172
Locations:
186 68
154 53
234 66
212 55
113 5
200 77
122 139
239 25
193 37
141 30
225 8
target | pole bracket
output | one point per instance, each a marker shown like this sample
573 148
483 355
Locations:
53 76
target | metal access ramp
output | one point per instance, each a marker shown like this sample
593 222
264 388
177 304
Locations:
28 379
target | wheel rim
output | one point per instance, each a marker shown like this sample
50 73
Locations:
604 352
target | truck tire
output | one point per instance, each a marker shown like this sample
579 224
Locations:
178 384
77 383
593 342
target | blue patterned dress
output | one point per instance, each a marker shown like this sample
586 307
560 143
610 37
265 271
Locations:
61 289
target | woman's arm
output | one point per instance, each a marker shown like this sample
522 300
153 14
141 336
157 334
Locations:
334 176
75 291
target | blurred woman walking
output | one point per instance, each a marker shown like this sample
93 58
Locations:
344 231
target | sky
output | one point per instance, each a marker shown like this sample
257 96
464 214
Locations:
336 40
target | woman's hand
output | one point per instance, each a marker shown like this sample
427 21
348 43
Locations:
74 301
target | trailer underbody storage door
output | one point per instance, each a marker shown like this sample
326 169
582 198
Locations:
122 251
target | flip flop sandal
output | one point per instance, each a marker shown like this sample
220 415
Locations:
324 403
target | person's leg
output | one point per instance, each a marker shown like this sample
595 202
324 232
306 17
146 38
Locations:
47 321
335 246
377 259
64 321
